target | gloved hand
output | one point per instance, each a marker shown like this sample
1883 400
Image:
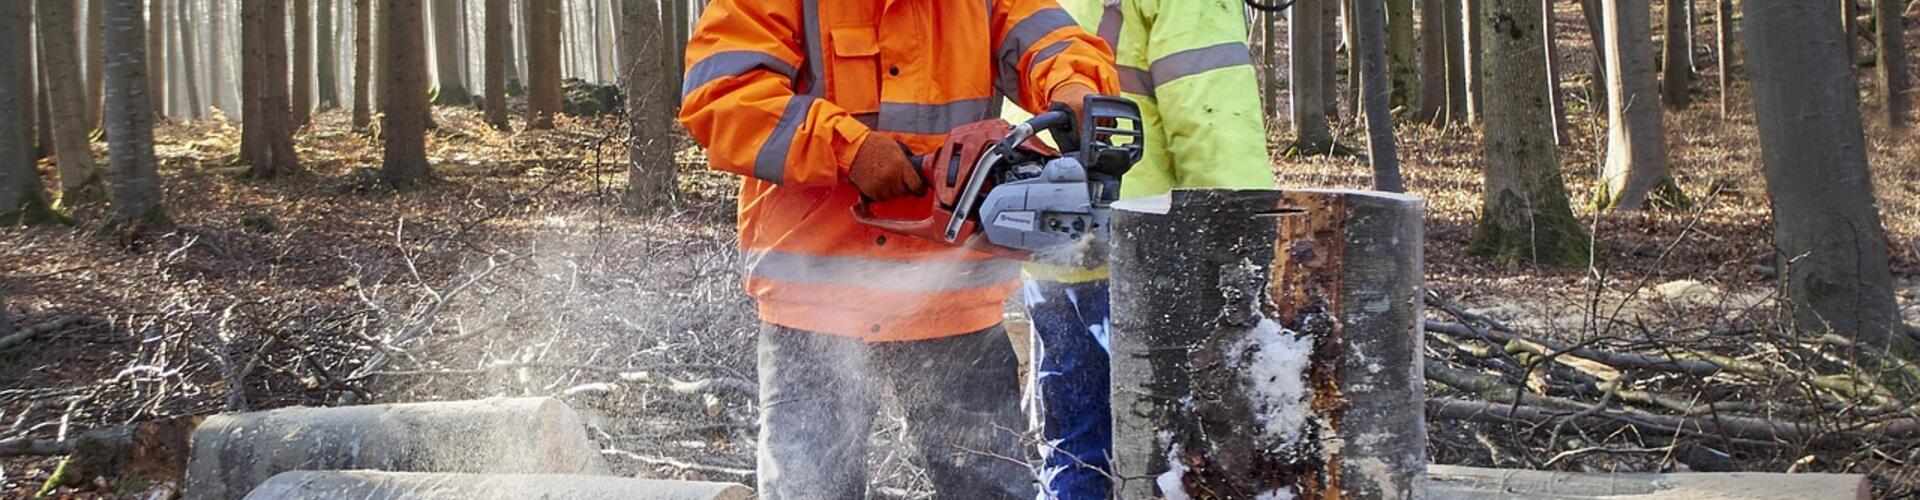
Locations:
1074 95
881 171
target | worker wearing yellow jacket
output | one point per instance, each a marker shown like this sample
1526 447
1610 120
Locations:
1187 64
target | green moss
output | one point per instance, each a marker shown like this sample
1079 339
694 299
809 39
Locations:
34 211
1666 196
1548 236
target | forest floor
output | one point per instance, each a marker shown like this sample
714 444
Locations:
515 273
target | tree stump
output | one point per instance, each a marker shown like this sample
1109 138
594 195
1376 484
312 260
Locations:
1268 343
329 485
233 453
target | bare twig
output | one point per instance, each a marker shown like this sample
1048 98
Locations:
25 334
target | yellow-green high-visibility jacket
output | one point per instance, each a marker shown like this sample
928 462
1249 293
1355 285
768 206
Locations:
1187 64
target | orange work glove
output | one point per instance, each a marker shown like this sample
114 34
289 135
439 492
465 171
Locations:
881 171
1074 95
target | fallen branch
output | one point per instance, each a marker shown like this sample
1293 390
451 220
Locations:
1745 430
25 334
678 464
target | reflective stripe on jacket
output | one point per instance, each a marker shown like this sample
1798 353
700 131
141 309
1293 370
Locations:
1187 64
783 92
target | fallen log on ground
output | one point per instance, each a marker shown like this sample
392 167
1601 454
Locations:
1446 482
1745 429
329 485
233 453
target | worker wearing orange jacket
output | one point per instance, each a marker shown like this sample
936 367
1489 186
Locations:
817 103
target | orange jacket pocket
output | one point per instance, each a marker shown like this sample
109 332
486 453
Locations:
854 72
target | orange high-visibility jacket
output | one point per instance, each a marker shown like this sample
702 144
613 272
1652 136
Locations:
783 92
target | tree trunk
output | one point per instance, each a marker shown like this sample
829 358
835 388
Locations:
1590 12
518 435
22 199
267 133
135 188
156 69
1330 37
1558 103
447 58
1401 68
496 64
651 171
1311 133
382 43
682 31
599 37
1434 74
1826 227
40 124
301 104
80 181
543 63
1849 16
1240 371
362 63
1268 49
516 51
1895 84
1676 75
328 63
330 485
1370 41
189 74
1636 161
1476 57
1525 215
1457 62
217 68
1723 39
1352 40
406 125
96 71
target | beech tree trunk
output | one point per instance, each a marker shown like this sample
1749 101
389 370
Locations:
217 68
327 60
1312 135
1895 83
1457 62
362 63
450 91
189 74
135 188
1434 75
1636 160
1401 68
1849 18
651 172
1525 215
1243 371
406 119
1557 103
1370 51
266 140
302 100
1330 39
1271 84
1475 58
22 199
234 453
496 63
156 69
382 43
1723 39
1591 12
1826 227
543 63
1676 74
80 181
96 70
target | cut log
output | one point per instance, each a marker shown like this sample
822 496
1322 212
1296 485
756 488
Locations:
1446 482
233 453
1241 371
330 485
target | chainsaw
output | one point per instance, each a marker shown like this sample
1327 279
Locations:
996 188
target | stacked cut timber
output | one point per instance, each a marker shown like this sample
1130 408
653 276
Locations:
329 485
231 454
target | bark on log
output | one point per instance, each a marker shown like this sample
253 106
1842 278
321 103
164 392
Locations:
233 453
1211 394
1448 482
328 485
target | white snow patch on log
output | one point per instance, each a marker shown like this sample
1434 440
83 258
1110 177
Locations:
1277 362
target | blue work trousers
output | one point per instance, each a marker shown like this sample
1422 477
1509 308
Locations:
1070 387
